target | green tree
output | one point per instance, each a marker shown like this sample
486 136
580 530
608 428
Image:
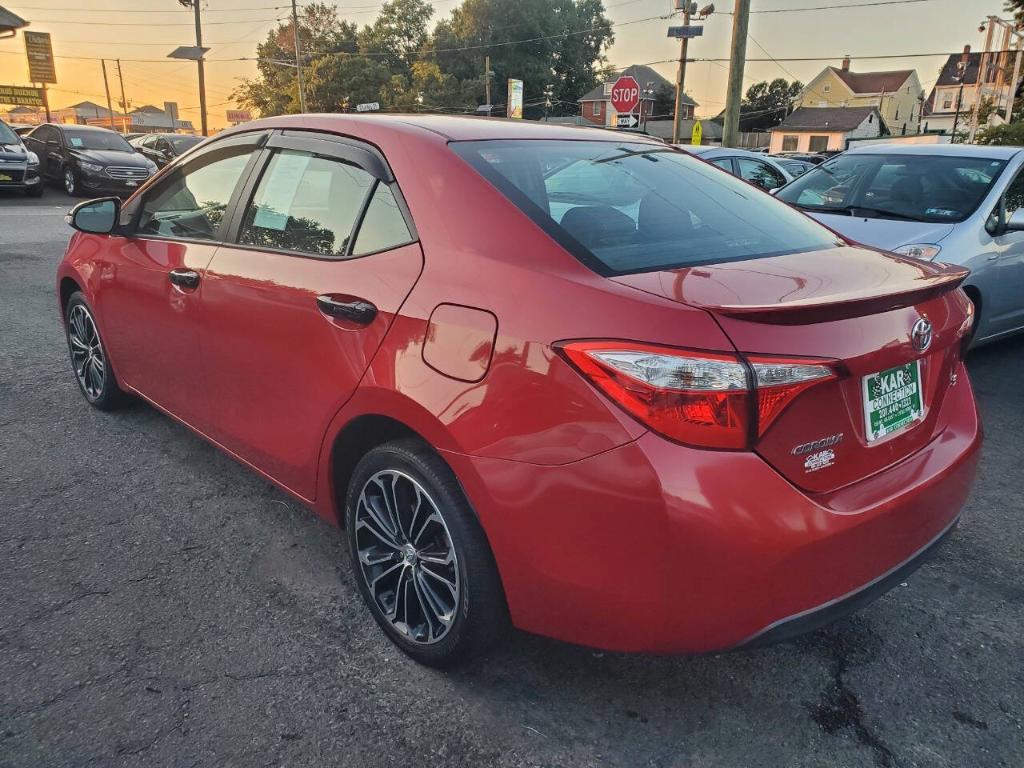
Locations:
274 90
337 83
767 103
398 33
1008 134
556 43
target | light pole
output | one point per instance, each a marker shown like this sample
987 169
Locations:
194 5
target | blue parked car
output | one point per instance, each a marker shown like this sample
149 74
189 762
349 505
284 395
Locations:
957 203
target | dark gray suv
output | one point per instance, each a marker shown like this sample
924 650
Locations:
19 168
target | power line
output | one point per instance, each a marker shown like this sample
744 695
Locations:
832 7
150 23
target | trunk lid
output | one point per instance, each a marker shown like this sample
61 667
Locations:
854 306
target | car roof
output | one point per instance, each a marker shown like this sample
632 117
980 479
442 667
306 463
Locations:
730 151
75 126
985 151
450 127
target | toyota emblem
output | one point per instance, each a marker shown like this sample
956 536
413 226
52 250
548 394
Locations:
921 335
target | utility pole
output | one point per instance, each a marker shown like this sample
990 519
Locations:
106 87
677 118
124 101
298 57
737 60
194 5
487 83
982 73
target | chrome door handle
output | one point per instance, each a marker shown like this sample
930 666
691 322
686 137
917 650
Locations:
184 278
347 308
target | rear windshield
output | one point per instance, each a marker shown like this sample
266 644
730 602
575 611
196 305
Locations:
632 207
930 188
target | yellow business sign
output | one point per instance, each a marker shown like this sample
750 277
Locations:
697 134
22 96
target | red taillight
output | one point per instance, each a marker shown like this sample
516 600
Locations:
695 397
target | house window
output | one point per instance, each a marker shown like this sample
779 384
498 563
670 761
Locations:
597 109
818 143
947 102
897 117
790 143
826 89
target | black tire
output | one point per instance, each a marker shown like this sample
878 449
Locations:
35 191
479 616
69 181
96 379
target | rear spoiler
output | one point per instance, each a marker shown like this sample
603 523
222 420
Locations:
846 306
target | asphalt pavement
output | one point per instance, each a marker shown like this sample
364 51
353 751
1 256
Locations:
160 605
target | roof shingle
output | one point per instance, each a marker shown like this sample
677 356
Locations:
826 118
873 82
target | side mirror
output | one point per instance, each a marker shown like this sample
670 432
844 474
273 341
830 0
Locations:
98 217
774 190
1016 221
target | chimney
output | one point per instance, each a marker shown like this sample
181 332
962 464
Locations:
846 63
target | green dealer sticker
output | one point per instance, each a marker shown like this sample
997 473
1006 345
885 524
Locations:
892 400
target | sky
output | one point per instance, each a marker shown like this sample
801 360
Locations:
142 32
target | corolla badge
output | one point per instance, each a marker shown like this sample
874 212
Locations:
921 334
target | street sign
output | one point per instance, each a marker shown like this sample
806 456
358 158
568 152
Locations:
23 97
627 121
679 32
40 57
515 99
239 115
625 94
370 106
698 133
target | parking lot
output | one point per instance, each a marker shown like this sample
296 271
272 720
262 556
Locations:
162 605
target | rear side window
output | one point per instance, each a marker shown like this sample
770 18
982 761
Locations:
761 174
307 204
383 225
627 207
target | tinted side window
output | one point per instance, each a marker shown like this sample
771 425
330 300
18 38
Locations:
192 202
306 203
760 173
383 225
725 163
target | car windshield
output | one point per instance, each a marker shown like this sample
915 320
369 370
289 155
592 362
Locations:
96 140
181 143
933 188
634 207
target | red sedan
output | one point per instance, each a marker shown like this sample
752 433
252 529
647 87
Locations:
564 377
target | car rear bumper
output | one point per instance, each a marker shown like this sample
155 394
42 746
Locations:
19 177
656 547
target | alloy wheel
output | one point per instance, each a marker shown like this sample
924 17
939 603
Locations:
406 557
86 351
69 181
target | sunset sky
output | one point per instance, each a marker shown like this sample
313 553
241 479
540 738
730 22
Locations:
142 32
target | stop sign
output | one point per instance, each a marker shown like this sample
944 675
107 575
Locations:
626 94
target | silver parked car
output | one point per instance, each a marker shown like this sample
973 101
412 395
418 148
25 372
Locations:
958 203
755 167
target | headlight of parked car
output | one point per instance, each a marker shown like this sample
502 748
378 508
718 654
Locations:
922 251
33 158
90 167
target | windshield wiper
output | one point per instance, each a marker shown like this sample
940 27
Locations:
852 210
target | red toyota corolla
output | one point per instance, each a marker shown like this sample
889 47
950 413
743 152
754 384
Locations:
567 377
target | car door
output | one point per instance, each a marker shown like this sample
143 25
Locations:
323 254
151 290
45 142
1006 258
146 147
